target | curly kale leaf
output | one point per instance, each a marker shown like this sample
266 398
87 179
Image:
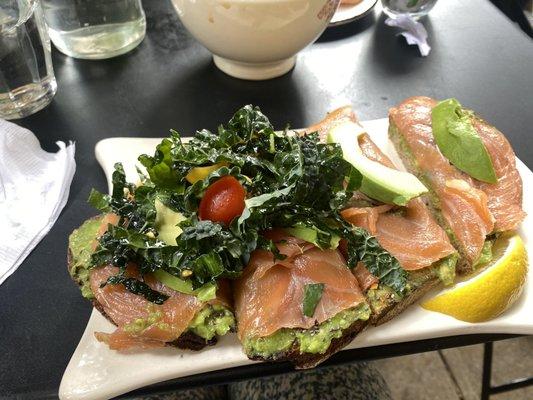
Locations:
364 247
137 287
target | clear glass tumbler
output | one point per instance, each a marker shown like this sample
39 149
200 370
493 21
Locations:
95 29
414 8
27 82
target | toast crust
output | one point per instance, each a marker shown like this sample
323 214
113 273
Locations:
397 308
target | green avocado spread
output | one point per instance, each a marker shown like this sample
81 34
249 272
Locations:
383 296
315 340
214 319
486 254
80 243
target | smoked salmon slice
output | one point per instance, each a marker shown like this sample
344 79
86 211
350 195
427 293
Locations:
270 293
505 197
142 324
364 277
333 118
471 209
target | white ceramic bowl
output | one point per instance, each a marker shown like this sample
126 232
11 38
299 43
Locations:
255 39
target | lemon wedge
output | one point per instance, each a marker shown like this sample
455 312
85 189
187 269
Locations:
490 291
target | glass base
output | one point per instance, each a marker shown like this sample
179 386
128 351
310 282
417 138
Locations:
416 10
101 41
254 71
415 15
27 99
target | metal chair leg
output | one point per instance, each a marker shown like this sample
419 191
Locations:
487 371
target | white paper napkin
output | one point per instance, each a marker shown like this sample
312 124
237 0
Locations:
34 188
414 32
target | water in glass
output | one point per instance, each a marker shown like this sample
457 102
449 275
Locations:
415 8
95 29
27 82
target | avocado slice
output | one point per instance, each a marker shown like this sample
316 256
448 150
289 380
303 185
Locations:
379 182
459 141
311 235
166 223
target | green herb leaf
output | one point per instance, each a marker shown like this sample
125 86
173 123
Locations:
99 200
312 295
364 247
159 167
459 141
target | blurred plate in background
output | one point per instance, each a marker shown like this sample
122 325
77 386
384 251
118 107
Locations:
351 12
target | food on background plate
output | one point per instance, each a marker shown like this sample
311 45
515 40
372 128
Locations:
473 202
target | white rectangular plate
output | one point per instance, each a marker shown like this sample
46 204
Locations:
95 372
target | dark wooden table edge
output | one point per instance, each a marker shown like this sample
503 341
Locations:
260 370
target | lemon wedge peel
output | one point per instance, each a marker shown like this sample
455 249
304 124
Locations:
490 292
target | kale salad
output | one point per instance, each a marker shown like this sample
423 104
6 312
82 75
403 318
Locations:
222 190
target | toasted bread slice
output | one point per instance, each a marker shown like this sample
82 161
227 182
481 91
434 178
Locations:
188 340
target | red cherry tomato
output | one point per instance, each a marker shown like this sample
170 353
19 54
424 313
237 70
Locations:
223 200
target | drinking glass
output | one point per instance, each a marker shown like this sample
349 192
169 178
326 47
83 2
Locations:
95 29
414 8
27 82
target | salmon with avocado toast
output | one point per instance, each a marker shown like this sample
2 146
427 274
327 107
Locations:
295 240
407 230
182 320
301 308
469 167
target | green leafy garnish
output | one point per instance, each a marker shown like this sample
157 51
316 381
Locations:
312 295
291 181
459 142
137 287
99 201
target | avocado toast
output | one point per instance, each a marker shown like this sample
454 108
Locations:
407 231
143 324
311 236
469 168
199 216
270 294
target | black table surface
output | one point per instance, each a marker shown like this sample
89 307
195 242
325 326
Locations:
170 81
